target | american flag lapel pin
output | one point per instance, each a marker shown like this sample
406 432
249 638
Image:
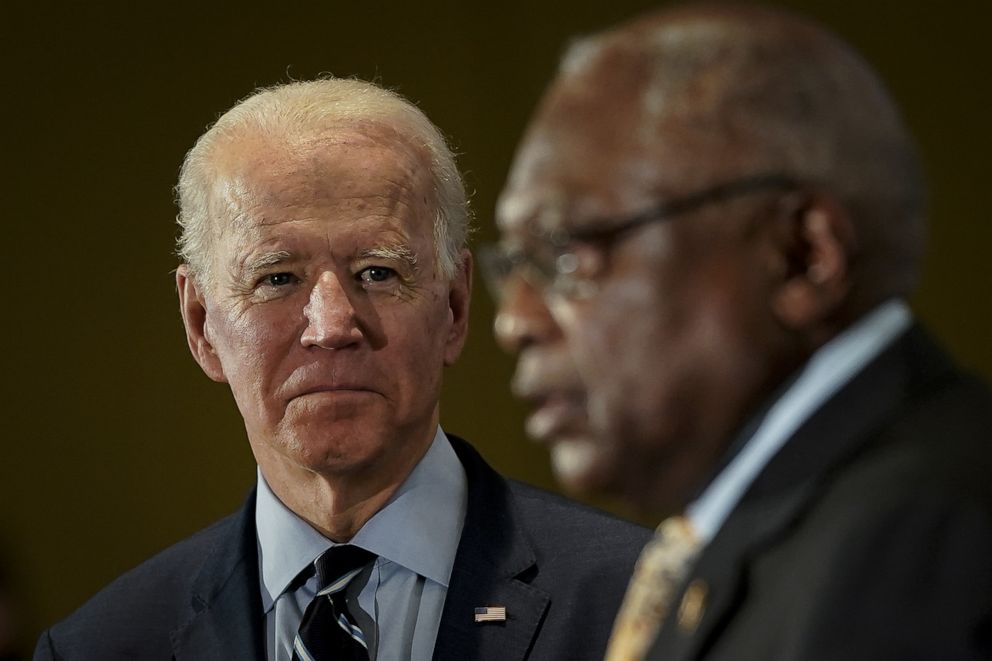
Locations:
490 614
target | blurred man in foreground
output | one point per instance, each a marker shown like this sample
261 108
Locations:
708 237
325 279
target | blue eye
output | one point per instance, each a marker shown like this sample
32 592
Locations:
279 279
376 274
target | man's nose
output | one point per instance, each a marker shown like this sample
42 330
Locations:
523 317
332 321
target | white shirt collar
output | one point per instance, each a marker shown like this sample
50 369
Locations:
419 528
832 366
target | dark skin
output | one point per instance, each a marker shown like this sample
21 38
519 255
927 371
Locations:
698 320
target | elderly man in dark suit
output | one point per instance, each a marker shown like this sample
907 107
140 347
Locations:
325 279
708 237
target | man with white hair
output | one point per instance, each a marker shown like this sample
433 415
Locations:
325 279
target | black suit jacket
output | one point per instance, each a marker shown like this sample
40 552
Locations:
559 568
869 536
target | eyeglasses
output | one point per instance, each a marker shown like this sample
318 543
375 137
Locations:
566 264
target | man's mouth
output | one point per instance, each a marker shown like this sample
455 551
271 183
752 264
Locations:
555 416
330 391
547 380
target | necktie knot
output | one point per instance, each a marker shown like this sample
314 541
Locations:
328 630
341 562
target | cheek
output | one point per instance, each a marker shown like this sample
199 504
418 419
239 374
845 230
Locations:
415 343
634 349
250 345
608 336
427 329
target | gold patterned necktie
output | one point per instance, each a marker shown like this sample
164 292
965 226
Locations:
660 569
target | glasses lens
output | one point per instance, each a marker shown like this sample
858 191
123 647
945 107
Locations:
497 265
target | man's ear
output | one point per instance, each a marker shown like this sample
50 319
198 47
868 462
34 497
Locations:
459 297
815 245
194 311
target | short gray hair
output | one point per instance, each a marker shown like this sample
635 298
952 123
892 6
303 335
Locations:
298 109
758 90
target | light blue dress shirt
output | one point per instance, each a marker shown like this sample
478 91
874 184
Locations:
401 595
826 372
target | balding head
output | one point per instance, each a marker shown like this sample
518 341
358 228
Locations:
300 117
708 93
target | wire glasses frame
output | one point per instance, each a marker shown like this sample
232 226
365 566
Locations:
552 263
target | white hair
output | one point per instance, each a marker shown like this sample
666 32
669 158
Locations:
301 110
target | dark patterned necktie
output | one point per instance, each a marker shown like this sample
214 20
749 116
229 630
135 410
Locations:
327 631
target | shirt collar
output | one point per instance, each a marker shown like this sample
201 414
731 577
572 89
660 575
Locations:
832 366
418 528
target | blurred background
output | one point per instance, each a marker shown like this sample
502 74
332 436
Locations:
116 445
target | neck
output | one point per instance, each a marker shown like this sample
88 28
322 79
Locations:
337 505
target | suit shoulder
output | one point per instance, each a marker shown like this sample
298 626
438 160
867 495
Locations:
139 608
171 570
579 551
940 443
551 522
567 524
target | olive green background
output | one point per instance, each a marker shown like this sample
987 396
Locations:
115 445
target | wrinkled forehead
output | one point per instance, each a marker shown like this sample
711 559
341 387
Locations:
606 140
350 162
577 158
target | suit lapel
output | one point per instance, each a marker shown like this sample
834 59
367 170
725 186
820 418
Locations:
721 573
842 428
227 611
491 568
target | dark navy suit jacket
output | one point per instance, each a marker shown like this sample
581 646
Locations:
867 538
559 568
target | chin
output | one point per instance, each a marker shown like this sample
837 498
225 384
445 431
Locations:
581 466
332 453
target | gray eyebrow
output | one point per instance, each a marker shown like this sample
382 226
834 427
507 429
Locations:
397 252
265 260
254 264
